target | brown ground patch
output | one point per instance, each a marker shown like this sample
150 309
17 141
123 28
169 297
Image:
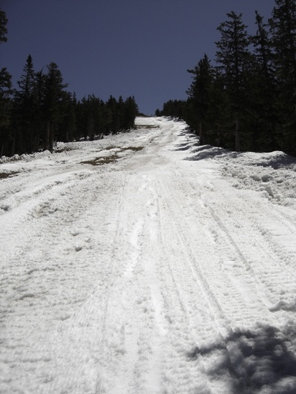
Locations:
98 161
4 175
133 148
145 126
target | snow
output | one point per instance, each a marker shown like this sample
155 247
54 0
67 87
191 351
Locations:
146 263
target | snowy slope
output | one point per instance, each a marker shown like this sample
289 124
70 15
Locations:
145 263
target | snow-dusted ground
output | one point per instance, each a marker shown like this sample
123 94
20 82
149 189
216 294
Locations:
144 263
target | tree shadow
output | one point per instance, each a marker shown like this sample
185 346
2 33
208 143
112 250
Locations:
258 361
206 152
275 160
281 160
185 146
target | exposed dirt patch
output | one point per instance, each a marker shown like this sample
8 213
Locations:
145 126
111 147
4 175
122 149
64 149
99 161
133 148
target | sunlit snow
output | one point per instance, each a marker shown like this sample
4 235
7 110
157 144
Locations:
146 263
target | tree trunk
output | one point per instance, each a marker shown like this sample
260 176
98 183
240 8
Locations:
201 137
237 135
51 137
47 135
13 144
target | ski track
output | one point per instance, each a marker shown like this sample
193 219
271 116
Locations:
149 275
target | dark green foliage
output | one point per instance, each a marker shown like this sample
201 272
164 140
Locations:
283 29
3 23
234 60
5 110
42 112
248 100
200 97
263 88
24 115
5 92
173 108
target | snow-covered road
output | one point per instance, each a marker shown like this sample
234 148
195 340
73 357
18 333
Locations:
144 263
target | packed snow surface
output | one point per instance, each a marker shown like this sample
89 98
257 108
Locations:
146 263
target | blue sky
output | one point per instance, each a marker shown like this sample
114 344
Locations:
120 47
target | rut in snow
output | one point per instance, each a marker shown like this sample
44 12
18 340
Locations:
145 263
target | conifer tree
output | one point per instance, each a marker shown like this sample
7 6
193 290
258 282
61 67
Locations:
199 96
3 24
66 130
233 56
54 89
5 109
263 89
40 110
5 93
130 111
24 110
283 29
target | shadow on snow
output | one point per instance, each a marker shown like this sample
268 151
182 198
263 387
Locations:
258 361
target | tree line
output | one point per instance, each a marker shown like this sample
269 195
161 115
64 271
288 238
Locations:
247 99
41 111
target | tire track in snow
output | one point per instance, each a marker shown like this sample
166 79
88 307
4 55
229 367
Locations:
264 256
195 322
180 226
85 333
256 252
184 319
57 226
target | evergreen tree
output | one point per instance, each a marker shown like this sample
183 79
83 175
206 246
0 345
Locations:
130 111
66 130
5 110
41 111
3 28
283 29
263 90
199 96
5 93
114 119
234 58
24 111
54 90
175 109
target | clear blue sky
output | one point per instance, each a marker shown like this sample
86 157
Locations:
120 47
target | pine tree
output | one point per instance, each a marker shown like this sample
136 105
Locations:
114 122
234 57
40 113
263 89
130 111
3 28
54 89
66 130
283 29
5 93
199 97
5 110
24 110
